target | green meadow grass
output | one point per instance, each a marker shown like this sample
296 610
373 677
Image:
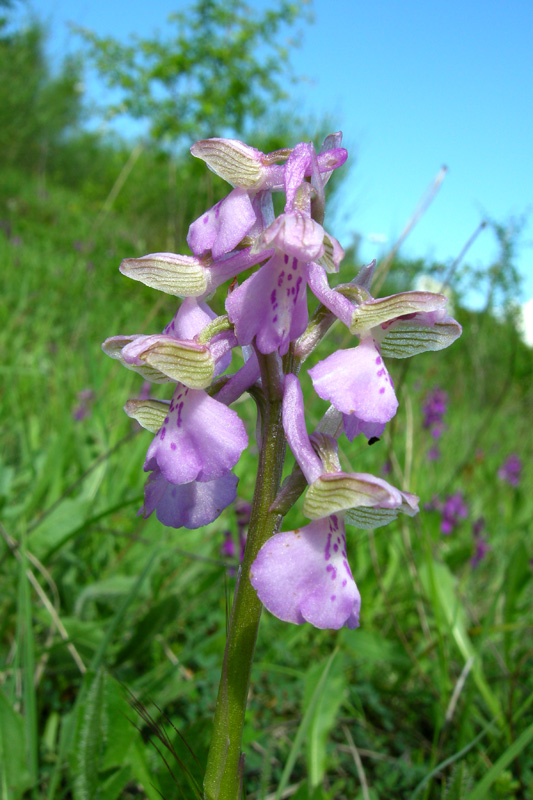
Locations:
112 627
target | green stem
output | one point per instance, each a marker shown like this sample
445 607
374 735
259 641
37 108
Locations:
223 773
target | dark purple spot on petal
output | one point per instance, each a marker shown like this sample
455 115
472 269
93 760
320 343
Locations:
206 219
378 360
275 318
286 258
162 434
333 598
173 445
382 390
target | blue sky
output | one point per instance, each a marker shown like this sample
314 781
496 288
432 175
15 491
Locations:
413 86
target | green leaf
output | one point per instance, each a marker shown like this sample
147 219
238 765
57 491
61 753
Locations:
107 590
324 715
512 752
15 775
67 518
304 725
148 627
107 750
441 587
89 742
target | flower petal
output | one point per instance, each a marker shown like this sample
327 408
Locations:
191 317
353 426
232 160
372 313
271 305
296 431
150 414
423 332
303 576
181 276
376 517
200 439
180 360
222 227
337 492
295 234
336 302
190 505
356 381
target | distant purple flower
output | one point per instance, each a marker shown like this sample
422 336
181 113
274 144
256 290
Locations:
481 546
386 469
511 470
434 408
433 454
242 512
242 515
83 408
227 548
453 510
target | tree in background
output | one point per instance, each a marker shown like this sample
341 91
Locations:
36 107
221 69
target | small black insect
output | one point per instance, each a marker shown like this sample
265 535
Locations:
373 440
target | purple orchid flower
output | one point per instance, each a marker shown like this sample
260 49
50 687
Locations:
304 576
330 489
452 510
300 575
511 470
220 229
191 458
481 546
270 307
200 439
188 505
433 410
175 355
356 381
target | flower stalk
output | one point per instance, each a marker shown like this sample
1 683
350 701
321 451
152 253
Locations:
222 776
